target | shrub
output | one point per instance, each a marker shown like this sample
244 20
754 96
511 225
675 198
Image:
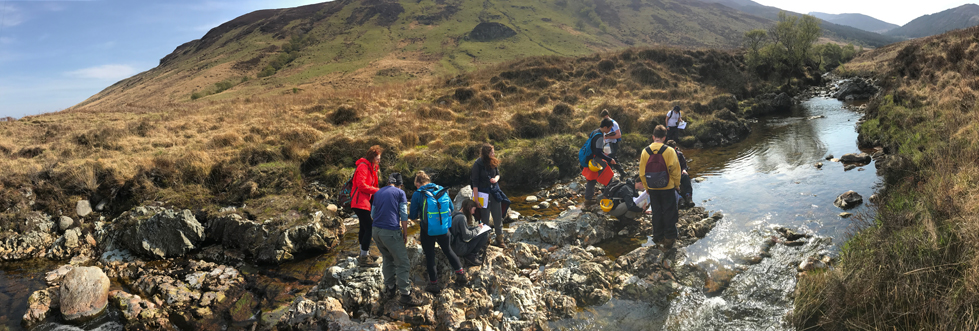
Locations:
228 139
344 115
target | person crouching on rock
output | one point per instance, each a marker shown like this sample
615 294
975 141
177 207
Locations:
431 206
660 174
390 233
624 208
598 157
468 241
686 188
365 184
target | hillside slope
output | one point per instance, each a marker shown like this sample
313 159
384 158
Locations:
859 21
913 266
928 25
830 30
348 43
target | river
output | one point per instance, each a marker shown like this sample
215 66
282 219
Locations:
767 181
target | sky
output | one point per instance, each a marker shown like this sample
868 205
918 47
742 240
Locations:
898 12
55 54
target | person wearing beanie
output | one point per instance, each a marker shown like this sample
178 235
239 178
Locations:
390 233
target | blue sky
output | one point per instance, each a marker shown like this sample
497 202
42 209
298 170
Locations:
55 54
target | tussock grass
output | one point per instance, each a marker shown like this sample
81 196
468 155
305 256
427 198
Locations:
915 265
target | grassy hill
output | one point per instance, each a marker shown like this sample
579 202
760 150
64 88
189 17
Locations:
859 21
349 43
833 31
928 25
915 265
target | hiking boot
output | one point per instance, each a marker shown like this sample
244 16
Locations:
391 292
500 243
434 288
367 261
412 301
462 279
668 244
472 260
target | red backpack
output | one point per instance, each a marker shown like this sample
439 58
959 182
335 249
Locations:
657 174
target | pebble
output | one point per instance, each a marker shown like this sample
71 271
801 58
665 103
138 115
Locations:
819 164
829 157
531 198
699 179
845 214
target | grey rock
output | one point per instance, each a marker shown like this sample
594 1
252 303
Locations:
855 158
848 200
585 228
819 164
40 305
84 293
83 208
65 222
276 244
466 192
527 255
545 205
157 232
830 157
71 238
531 198
849 167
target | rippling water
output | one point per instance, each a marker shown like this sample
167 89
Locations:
766 181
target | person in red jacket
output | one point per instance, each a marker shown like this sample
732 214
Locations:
365 184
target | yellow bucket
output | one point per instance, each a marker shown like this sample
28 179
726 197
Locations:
606 205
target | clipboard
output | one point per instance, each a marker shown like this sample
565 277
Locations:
682 125
482 199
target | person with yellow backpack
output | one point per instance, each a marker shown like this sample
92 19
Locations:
659 170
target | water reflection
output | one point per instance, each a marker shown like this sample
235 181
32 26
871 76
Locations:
766 181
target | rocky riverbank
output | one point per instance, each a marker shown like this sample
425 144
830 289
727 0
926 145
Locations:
171 268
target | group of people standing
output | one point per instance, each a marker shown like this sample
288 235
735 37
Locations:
662 175
384 214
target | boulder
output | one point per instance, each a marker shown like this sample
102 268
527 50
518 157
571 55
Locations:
576 273
527 255
855 158
573 228
466 192
65 222
157 232
848 200
83 208
84 293
642 261
531 199
276 244
856 88
489 31
40 305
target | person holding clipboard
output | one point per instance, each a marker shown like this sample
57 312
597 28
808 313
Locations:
485 180
673 122
469 242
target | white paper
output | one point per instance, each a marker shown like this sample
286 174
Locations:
682 125
643 200
483 199
483 228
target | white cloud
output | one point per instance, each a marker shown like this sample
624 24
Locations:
11 15
105 72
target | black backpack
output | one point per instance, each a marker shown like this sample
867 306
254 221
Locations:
346 194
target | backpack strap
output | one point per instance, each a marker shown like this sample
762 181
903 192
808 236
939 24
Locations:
661 149
649 151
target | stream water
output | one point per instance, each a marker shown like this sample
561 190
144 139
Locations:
764 182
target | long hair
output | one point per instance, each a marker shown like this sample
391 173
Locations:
467 207
421 178
489 161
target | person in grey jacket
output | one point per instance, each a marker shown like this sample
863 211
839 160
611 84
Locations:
467 242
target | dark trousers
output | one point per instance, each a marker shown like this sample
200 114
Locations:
474 246
665 214
673 133
366 224
428 246
615 152
686 188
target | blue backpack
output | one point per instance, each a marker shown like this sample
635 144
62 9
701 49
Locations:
437 209
584 154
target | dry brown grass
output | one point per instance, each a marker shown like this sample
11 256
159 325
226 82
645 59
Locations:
915 265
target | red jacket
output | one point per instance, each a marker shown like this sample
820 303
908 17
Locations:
365 184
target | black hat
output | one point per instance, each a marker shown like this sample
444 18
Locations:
395 179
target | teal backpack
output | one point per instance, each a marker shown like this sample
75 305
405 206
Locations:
584 154
437 209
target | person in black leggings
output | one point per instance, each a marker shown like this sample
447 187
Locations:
423 182
365 184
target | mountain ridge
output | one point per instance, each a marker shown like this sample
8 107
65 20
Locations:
960 17
856 20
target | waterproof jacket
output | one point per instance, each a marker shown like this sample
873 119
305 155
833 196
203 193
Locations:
672 165
598 146
461 232
365 184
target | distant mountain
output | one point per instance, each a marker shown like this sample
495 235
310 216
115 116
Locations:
352 43
956 18
859 21
830 30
